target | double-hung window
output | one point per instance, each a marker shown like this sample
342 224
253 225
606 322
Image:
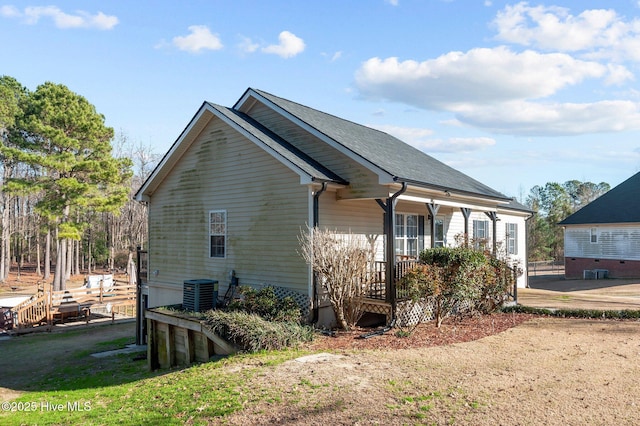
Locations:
480 233
409 234
593 235
512 238
439 237
217 233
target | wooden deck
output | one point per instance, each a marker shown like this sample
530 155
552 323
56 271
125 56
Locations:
48 307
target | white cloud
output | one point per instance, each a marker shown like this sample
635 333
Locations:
457 145
332 56
9 11
412 135
200 38
392 2
81 19
596 32
421 139
555 119
290 45
246 45
520 92
457 81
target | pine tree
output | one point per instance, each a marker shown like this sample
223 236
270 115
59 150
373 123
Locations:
66 143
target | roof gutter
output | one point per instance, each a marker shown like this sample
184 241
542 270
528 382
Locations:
501 198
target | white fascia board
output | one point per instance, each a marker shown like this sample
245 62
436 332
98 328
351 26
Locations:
383 176
514 212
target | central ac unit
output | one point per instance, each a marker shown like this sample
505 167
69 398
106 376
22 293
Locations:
199 295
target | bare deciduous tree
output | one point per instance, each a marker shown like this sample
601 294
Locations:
343 266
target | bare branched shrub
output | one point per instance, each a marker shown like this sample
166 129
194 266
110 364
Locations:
343 263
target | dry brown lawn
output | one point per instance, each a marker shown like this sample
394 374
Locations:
545 371
507 369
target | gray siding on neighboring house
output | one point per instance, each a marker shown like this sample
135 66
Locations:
615 241
266 206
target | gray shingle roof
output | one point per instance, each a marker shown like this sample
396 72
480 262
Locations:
619 205
397 158
279 145
515 205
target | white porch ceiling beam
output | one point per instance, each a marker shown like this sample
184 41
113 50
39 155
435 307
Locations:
448 203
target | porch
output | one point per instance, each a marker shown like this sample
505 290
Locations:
380 299
392 301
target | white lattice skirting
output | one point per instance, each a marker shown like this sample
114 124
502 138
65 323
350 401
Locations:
410 313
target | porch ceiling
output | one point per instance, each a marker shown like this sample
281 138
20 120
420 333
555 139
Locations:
450 202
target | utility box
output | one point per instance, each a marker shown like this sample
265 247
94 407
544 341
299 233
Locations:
199 295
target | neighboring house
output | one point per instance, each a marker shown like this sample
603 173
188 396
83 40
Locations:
604 235
240 184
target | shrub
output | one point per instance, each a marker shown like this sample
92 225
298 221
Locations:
251 332
448 276
576 313
266 304
343 265
498 280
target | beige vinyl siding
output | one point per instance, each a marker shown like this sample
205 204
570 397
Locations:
265 204
455 227
614 242
363 182
361 217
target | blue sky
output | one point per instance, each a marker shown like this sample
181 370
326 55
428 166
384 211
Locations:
515 94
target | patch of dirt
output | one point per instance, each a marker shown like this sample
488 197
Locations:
480 370
539 370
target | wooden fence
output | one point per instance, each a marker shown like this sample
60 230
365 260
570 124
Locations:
47 306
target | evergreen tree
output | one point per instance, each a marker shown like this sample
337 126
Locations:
68 146
12 96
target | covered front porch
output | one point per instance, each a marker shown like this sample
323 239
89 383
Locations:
413 221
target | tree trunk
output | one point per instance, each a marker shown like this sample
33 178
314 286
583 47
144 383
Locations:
131 269
89 255
57 274
47 255
68 259
5 244
38 268
76 257
62 262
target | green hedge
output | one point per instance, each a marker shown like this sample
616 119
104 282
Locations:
575 313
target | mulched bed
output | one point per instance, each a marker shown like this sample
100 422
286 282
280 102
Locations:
453 330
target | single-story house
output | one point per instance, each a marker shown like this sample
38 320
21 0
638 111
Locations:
603 238
240 184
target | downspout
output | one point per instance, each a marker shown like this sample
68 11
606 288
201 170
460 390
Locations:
316 221
391 252
316 204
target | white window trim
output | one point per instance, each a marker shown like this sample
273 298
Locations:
474 232
211 256
402 251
